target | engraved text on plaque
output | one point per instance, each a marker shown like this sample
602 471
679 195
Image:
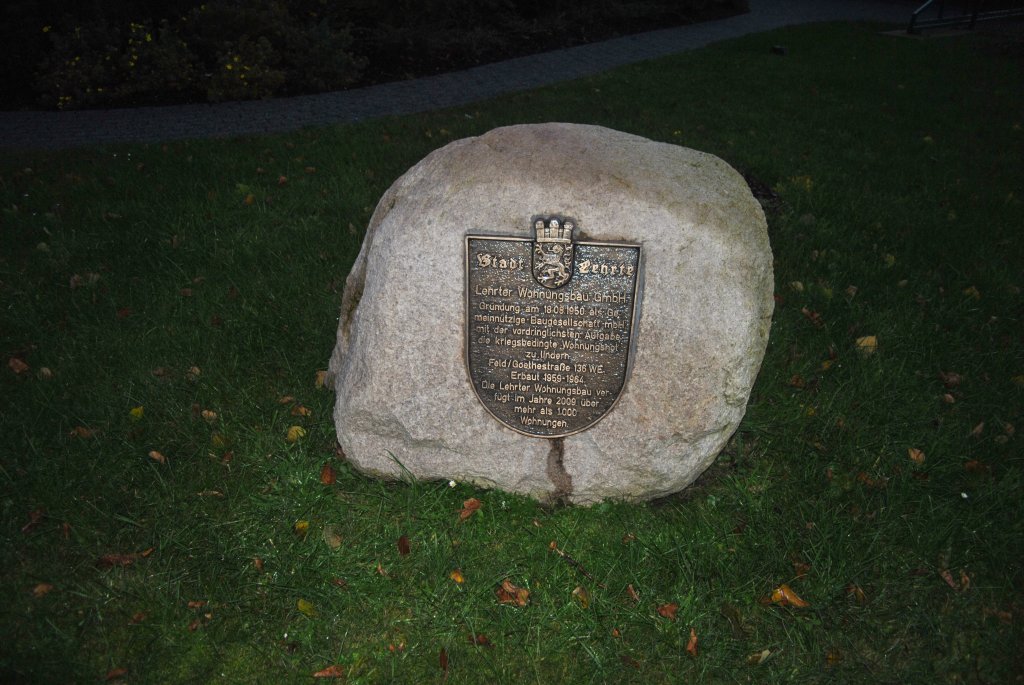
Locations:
550 326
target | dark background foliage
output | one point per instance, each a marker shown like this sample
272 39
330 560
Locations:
67 55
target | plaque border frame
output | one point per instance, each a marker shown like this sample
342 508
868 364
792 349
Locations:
633 330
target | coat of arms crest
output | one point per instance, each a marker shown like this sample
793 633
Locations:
553 252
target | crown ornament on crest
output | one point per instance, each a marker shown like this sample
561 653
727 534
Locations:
554 230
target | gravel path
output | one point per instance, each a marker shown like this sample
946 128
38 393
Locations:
60 130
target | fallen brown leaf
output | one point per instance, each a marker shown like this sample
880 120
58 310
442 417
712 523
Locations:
81 432
35 517
976 466
877 483
403 545
801 568
196 603
582 596
301 410
137 618
41 590
111 560
479 640
257 563
948 577
691 645
469 507
332 536
977 430
812 316
116 674
633 594
629 661
916 455
442 660
335 671
208 415
457 576
511 594
285 399
17 366
668 610
327 474
950 379
784 596
321 379
157 457
855 591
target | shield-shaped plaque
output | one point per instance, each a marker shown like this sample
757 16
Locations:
550 326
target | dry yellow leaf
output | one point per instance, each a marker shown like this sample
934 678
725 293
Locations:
295 433
784 596
866 345
136 413
759 658
457 576
301 528
321 378
582 596
306 608
208 415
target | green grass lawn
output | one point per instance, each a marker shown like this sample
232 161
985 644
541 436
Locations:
171 298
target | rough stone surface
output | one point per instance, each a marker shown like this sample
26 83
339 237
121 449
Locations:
404 399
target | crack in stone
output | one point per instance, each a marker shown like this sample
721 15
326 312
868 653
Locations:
560 478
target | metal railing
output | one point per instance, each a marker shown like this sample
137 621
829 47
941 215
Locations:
969 17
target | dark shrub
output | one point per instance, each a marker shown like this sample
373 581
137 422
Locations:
225 50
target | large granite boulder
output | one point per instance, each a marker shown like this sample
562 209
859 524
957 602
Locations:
405 402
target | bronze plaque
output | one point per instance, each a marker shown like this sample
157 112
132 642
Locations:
550 326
